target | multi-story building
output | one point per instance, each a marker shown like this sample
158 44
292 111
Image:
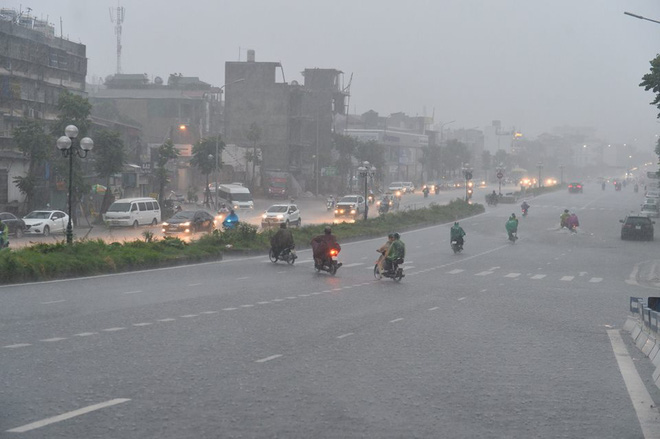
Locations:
35 68
296 121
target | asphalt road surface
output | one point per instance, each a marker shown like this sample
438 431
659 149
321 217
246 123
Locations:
502 340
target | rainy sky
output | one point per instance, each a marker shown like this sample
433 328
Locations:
532 64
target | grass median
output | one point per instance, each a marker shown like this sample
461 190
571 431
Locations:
90 257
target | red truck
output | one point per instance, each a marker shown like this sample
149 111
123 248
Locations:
276 184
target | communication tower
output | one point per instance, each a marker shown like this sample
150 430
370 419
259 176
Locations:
117 17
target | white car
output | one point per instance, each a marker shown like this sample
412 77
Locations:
409 187
396 186
650 210
45 222
653 193
281 213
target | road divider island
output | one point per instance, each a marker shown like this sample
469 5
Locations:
92 257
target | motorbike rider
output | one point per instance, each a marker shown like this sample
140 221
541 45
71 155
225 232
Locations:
383 251
511 227
563 219
426 191
281 240
321 244
572 222
525 207
493 198
456 233
396 252
223 209
231 221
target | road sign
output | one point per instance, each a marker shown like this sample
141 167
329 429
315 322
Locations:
500 175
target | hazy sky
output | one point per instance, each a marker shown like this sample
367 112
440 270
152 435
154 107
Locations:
532 64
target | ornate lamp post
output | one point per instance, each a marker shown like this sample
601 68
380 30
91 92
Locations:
467 173
69 149
500 175
540 166
366 171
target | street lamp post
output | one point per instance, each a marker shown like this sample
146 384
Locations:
467 173
68 148
540 166
366 171
561 174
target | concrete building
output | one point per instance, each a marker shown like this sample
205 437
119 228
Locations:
296 121
35 68
185 110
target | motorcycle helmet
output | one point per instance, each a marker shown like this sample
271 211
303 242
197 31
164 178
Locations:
327 230
513 215
282 225
396 235
391 235
456 223
565 210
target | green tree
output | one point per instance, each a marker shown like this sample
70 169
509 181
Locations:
33 142
204 158
346 147
110 158
455 155
166 152
253 135
651 81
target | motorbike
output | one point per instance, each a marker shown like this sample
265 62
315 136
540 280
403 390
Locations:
228 224
456 247
491 200
330 204
436 189
513 237
396 273
384 207
524 211
371 199
426 192
287 255
329 263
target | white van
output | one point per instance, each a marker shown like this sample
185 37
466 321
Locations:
236 196
133 212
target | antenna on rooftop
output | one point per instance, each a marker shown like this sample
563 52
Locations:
117 19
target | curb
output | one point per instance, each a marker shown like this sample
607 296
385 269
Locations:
646 341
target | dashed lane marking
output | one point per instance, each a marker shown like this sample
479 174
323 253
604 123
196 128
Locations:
434 308
272 357
132 292
189 316
512 275
17 345
53 301
231 309
345 335
52 340
113 329
166 320
595 279
538 276
68 415
396 320
85 334
247 306
455 271
142 324
484 273
263 303
567 278
209 312
461 298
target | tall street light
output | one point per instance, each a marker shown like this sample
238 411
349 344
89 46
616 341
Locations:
561 178
640 17
540 166
500 175
366 171
68 148
467 173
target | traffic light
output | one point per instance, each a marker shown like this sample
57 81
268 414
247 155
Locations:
468 175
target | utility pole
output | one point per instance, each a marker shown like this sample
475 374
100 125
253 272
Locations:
118 19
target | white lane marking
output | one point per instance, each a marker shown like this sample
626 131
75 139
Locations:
112 329
493 268
455 271
396 320
512 275
272 357
85 334
278 300
596 279
484 273
54 339
142 324
434 308
294 297
538 276
316 294
483 291
645 407
242 278
166 320
209 312
567 278
132 292
345 335
188 316
195 285
461 298
355 264
229 309
336 289
53 301
303 295
17 345
326 291
263 303
247 306
68 415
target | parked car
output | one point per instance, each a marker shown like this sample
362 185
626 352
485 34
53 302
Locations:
281 213
45 222
637 227
650 210
575 188
653 193
349 207
409 187
16 225
189 221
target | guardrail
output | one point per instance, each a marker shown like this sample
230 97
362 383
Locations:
645 311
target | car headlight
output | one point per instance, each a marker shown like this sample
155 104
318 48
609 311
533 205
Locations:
336 210
235 206
264 216
186 224
280 216
352 211
37 224
166 224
